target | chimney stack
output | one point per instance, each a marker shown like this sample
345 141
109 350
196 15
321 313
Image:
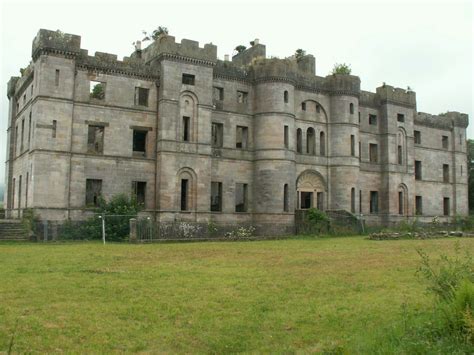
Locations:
226 57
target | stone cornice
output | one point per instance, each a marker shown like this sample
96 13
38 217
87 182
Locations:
180 58
116 71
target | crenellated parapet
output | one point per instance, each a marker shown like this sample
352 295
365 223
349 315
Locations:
187 51
56 42
274 69
228 70
446 120
342 84
397 96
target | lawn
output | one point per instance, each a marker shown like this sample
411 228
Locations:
302 295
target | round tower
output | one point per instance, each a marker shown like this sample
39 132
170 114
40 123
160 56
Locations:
343 149
274 140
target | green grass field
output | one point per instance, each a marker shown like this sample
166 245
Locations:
304 295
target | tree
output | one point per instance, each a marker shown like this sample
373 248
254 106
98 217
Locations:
155 34
98 91
343 68
299 54
240 48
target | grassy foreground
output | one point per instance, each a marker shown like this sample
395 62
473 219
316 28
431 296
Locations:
309 295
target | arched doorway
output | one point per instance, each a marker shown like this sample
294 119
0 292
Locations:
311 190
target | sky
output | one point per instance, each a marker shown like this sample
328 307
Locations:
424 44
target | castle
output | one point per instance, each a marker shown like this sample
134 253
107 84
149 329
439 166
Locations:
246 141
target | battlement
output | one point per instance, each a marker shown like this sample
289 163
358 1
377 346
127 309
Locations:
56 41
166 45
444 121
387 93
274 69
342 84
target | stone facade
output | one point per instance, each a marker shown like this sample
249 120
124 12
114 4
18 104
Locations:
262 136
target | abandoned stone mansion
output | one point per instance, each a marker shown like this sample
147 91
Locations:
241 141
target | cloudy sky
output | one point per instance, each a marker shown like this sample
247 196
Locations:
426 45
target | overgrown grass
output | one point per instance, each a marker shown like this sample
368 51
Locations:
329 294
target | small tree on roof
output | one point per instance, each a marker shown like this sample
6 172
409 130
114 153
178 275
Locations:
155 34
240 48
342 68
299 54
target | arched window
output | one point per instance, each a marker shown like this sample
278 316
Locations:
286 207
402 200
353 197
186 190
322 144
310 141
401 146
285 96
186 129
299 143
351 108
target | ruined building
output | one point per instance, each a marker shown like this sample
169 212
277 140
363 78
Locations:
246 141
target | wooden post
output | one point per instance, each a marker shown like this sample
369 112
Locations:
133 230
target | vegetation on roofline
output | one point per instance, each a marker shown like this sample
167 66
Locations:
341 68
240 48
299 54
160 30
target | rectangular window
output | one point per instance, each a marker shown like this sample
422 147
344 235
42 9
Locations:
352 145
29 132
139 191
285 136
303 106
139 143
53 134
418 205
186 122
97 90
216 196
373 120
16 139
22 134
306 200
360 201
400 155
19 192
141 96
93 192
13 193
373 153
400 202
286 207
417 137
241 137
217 134
240 197
445 173
242 97
374 202
400 117
184 194
445 142
418 172
218 93
188 79
95 139
56 78
26 189
446 206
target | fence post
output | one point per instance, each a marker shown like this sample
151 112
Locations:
133 230
103 227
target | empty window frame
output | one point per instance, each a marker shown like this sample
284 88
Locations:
217 135
299 141
54 128
285 97
241 197
351 108
446 206
95 139
322 144
97 90
184 196
352 145
373 153
286 207
141 96
285 136
139 142
19 191
445 142
374 202
310 141
418 205
188 79
400 202
29 131
216 196
418 170
446 173
373 120
22 134
303 106
93 192
218 93
353 208
56 78
318 108
417 135
241 137
139 192
400 154
26 189
306 200
186 128
242 97
400 117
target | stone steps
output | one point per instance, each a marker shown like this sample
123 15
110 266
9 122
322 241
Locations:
12 230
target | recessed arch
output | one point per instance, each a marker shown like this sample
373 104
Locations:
402 192
311 190
186 189
314 110
187 121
